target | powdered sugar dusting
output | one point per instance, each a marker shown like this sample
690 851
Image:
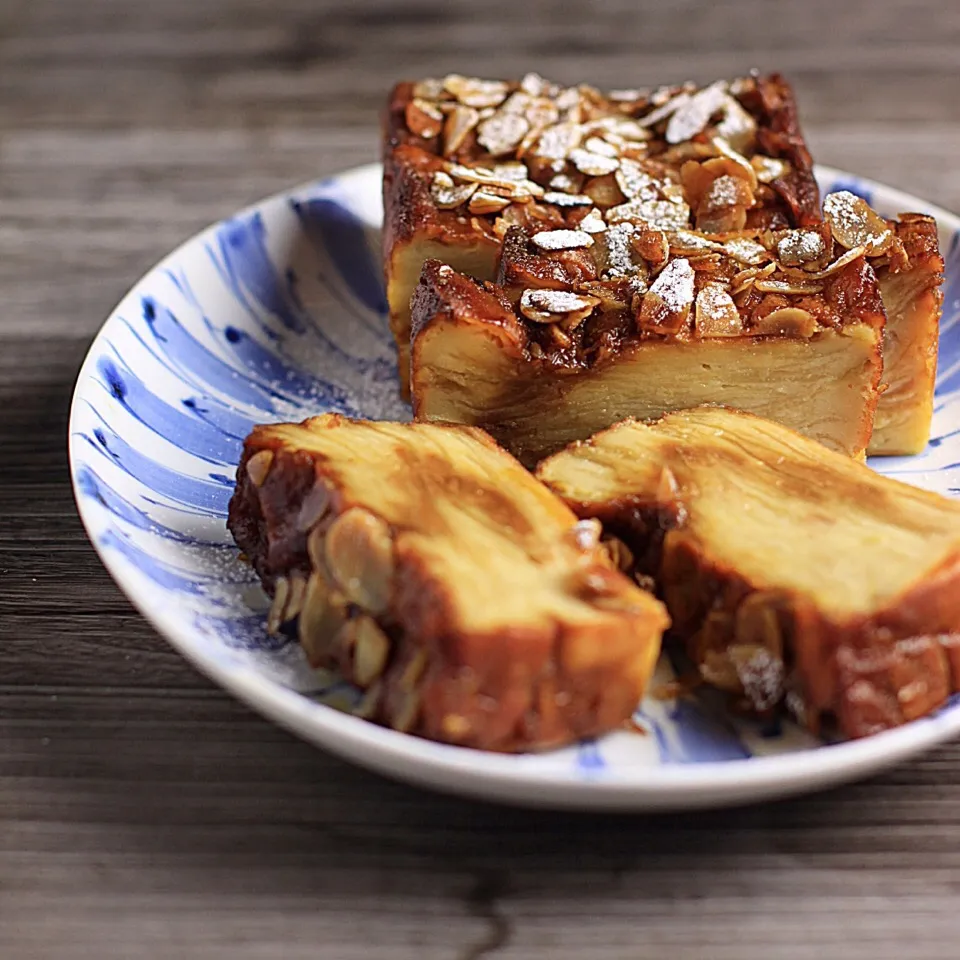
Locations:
674 285
562 239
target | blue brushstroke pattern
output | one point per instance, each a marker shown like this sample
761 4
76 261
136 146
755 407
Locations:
162 574
247 269
343 236
208 496
183 430
91 485
189 354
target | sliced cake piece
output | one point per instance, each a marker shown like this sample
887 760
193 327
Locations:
438 575
587 328
788 570
465 159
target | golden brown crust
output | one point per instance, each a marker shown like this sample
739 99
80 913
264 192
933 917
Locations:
910 277
358 574
889 663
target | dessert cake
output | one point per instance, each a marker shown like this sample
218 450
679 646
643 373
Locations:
789 571
444 580
466 159
584 328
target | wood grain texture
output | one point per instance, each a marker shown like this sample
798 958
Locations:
145 814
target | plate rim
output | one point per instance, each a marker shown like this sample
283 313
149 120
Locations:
497 777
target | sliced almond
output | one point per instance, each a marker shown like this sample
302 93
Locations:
593 222
691 117
743 166
460 121
786 322
566 183
667 303
663 214
665 109
366 647
313 507
359 555
281 591
798 247
423 118
322 615
258 467
429 89
769 169
604 191
446 194
562 239
558 141
593 164
484 202
635 182
553 306
472 92
716 314
685 241
737 127
855 254
599 146
567 199
854 224
789 286
746 250
501 133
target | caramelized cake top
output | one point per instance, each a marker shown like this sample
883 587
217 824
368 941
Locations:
493 153
577 296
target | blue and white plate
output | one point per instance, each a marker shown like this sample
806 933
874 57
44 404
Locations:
278 313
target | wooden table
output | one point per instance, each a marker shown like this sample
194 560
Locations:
145 814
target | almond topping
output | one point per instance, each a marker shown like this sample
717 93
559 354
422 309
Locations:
557 141
768 168
562 239
746 251
483 202
593 222
567 199
854 224
635 182
786 322
460 121
663 214
258 466
667 303
476 93
716 313
423 118
601 147
502 132
799 247
551 306
446 194
692 116
789 286
593 164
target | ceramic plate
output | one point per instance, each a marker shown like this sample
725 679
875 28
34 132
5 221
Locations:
278 313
